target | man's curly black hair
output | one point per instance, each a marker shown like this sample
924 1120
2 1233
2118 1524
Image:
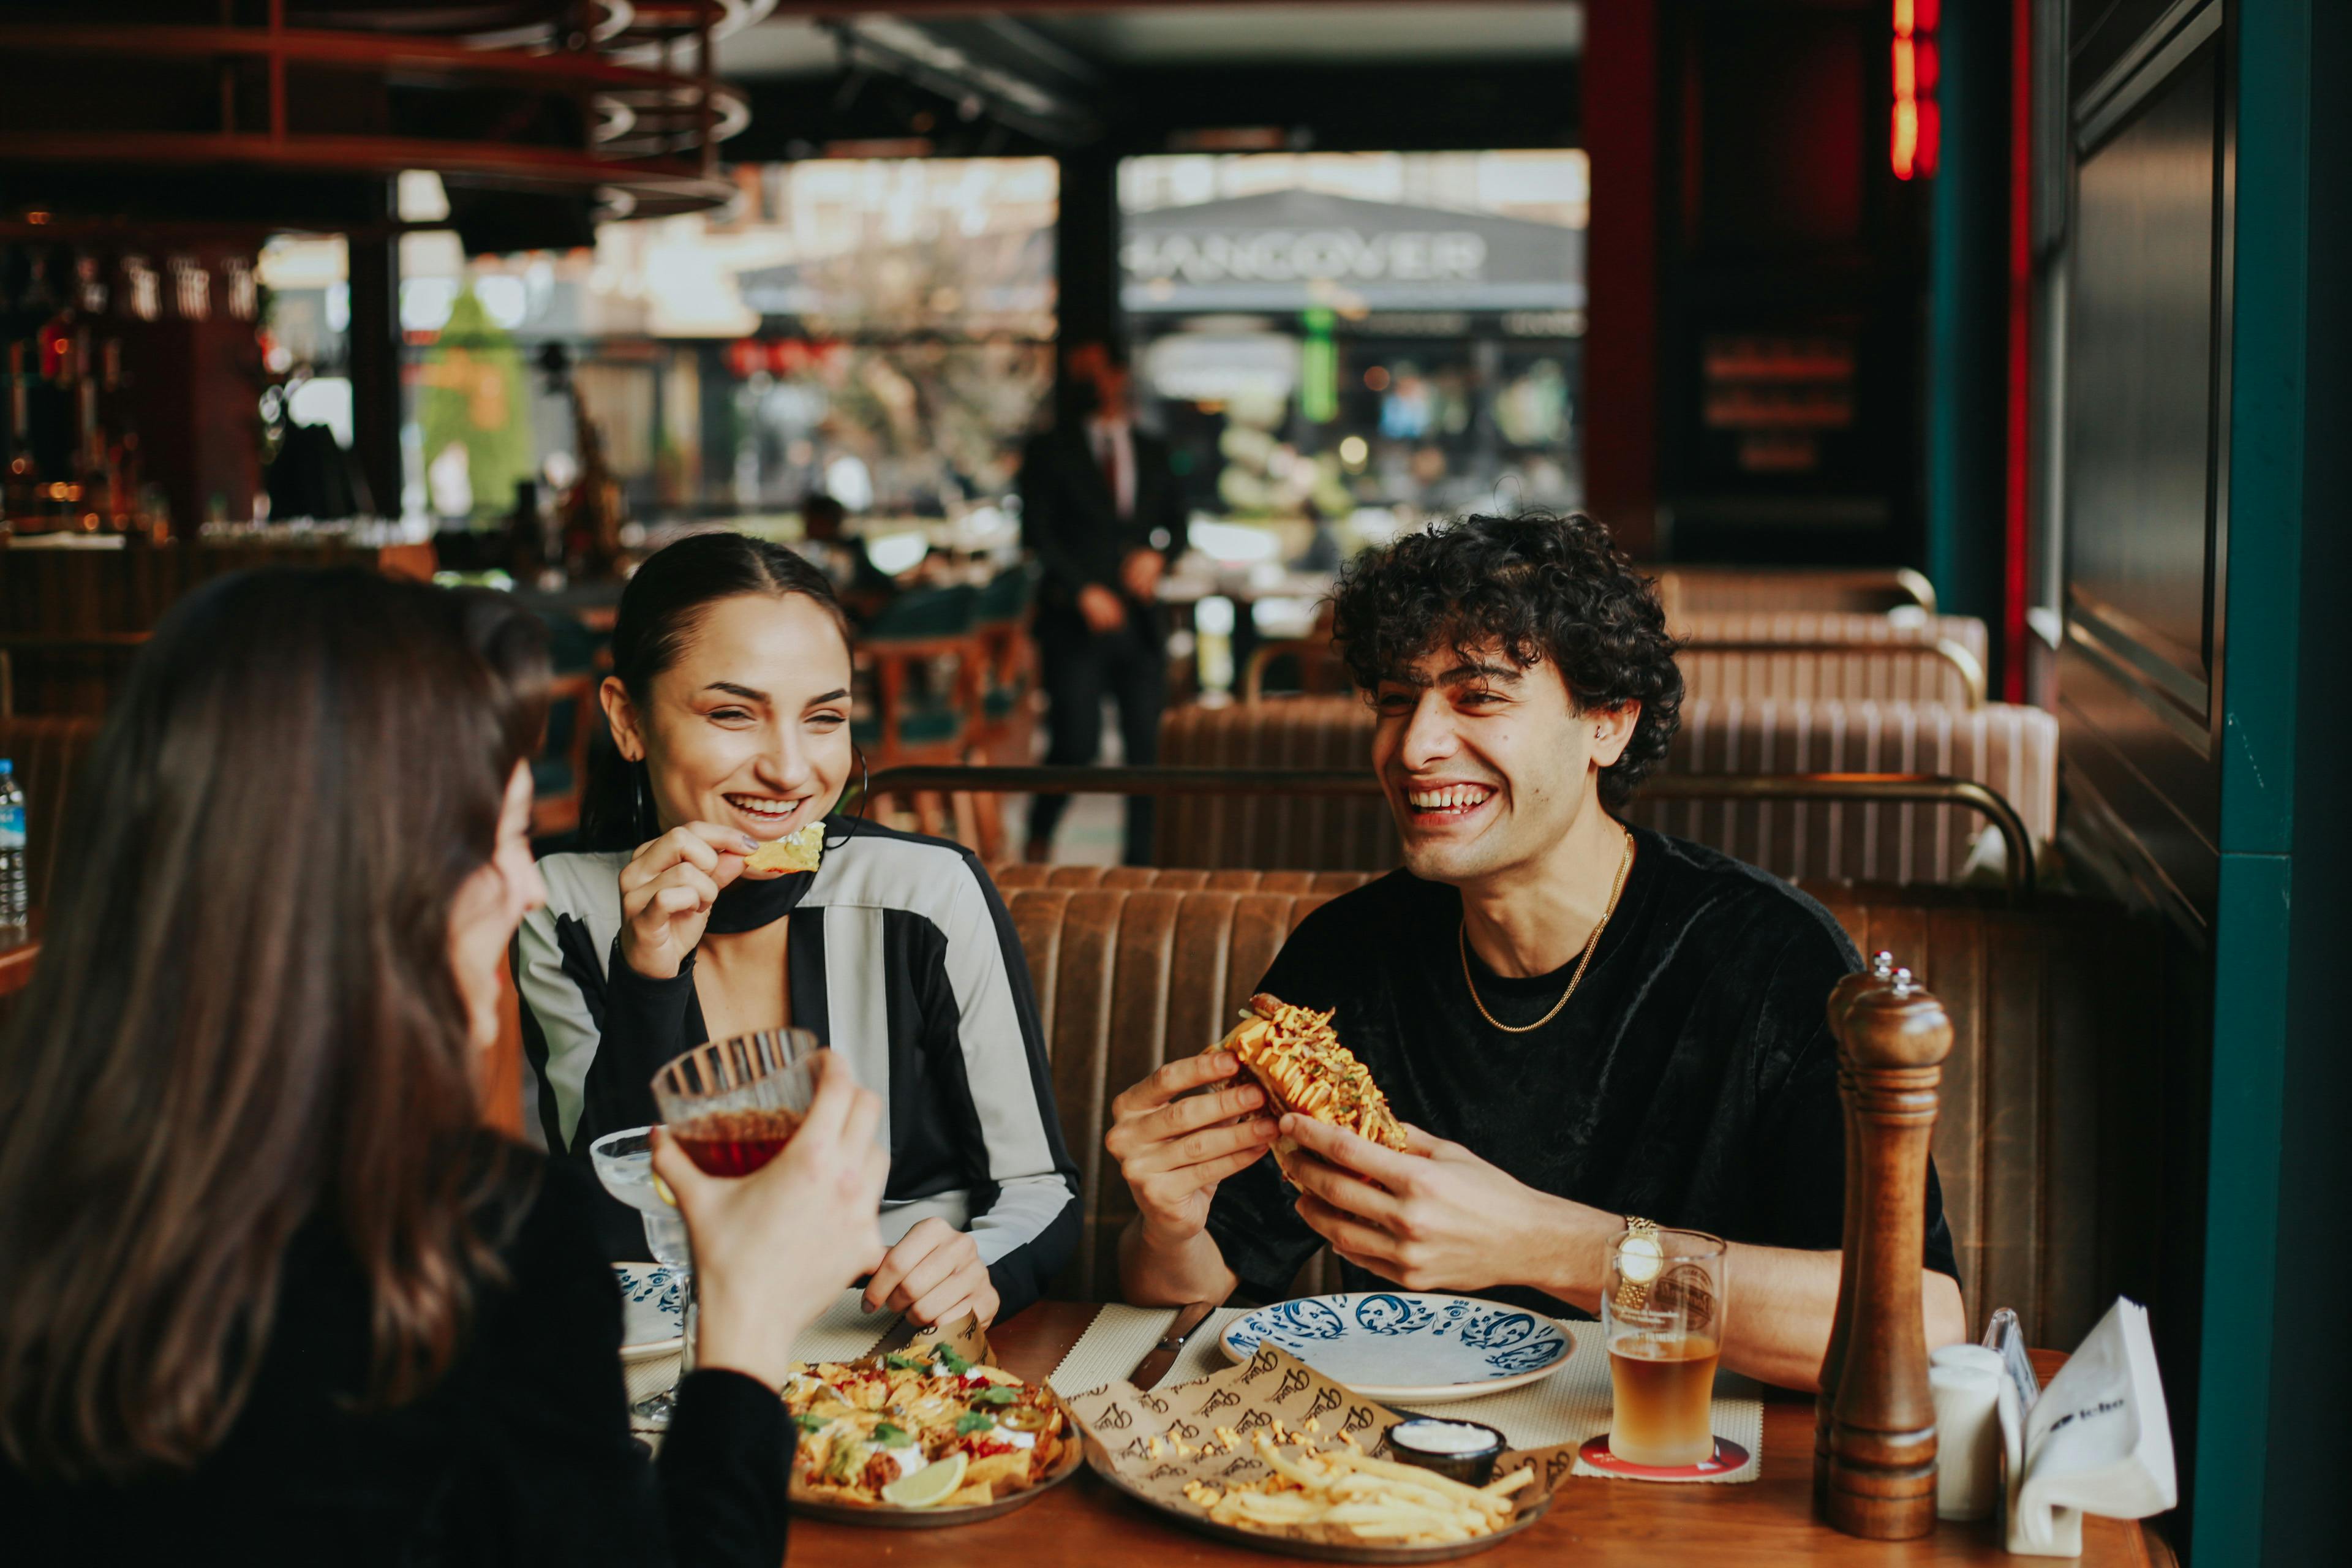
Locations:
1543 587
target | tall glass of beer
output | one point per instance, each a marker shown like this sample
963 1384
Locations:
1661 1314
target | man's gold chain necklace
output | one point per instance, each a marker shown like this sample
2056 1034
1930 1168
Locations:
1624 863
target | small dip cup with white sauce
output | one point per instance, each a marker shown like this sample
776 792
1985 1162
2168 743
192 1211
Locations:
1464 1451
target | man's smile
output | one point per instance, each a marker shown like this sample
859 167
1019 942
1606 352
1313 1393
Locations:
1437 802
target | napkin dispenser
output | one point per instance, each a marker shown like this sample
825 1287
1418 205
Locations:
2098 1440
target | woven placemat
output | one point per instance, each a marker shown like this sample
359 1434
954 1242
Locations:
1119 1338
1568 1406
844 1331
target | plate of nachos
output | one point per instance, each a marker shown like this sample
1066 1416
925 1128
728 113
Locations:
924 1438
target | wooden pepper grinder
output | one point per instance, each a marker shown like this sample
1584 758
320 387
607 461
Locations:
1882 1469
1878 977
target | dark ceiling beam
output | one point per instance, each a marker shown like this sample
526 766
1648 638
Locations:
988 66
1369 108
1363 109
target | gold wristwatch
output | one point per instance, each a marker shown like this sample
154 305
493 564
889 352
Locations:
1639 1259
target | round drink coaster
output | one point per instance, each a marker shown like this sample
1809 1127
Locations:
1727 1455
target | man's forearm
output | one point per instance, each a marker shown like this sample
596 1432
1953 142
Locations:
1158 1272
1782 1301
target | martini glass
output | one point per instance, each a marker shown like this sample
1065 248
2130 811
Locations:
625 1165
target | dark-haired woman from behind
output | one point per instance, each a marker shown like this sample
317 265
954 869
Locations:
730 707
266 1287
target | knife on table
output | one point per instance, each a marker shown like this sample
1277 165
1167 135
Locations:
1162 1356
902 1334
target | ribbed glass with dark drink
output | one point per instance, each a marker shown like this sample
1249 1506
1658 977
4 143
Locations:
732 1105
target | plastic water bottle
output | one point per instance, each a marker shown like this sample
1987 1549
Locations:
15 893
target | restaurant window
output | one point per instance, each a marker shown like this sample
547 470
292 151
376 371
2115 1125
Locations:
1361 340
881 330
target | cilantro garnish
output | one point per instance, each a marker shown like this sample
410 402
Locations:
992 1395
891 1436
972 1421
897 1361
951 1360
809 1423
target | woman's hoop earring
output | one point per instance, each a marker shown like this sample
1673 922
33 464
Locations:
646 824
865 793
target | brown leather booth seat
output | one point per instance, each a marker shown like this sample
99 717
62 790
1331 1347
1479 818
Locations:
47 753
1337 833
1873 671
2038 1144
2013 750
1832 626
1910 657
1696 590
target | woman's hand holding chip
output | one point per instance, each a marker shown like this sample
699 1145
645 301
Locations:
668 888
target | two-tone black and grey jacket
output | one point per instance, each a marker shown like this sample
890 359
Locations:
901 957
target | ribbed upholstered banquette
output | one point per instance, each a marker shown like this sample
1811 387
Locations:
2011 749
1135 967
1826 655
1812 654
1696 590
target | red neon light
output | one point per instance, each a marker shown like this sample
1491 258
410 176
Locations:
1915 124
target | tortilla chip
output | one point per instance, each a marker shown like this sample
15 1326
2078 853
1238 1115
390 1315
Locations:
996 1467
971 1496
796 851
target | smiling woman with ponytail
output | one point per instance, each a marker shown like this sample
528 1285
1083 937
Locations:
730 709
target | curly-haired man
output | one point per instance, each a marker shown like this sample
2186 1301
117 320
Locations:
1578 1021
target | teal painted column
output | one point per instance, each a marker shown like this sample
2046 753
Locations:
2275 1352
1967 315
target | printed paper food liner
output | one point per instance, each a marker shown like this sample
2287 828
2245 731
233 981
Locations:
1121 1420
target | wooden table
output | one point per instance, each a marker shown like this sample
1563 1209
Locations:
1594 1523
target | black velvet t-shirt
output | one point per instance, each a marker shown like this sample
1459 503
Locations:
1691 1080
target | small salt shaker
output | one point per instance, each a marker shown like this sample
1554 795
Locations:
1965 1382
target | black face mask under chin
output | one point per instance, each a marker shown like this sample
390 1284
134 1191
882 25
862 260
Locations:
747 903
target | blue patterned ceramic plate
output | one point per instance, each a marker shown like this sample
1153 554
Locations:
653 1310
1423 1350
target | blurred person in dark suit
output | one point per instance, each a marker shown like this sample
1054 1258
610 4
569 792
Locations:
1101 511
861 586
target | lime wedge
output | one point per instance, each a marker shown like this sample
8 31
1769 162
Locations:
928 1487
1639 1259
661 1191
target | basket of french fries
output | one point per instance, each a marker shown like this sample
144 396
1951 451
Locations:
932 1435
1271 1454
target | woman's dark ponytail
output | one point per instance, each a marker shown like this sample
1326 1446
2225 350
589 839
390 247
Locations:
660 609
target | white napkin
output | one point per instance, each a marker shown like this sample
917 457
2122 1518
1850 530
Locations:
2097 1441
